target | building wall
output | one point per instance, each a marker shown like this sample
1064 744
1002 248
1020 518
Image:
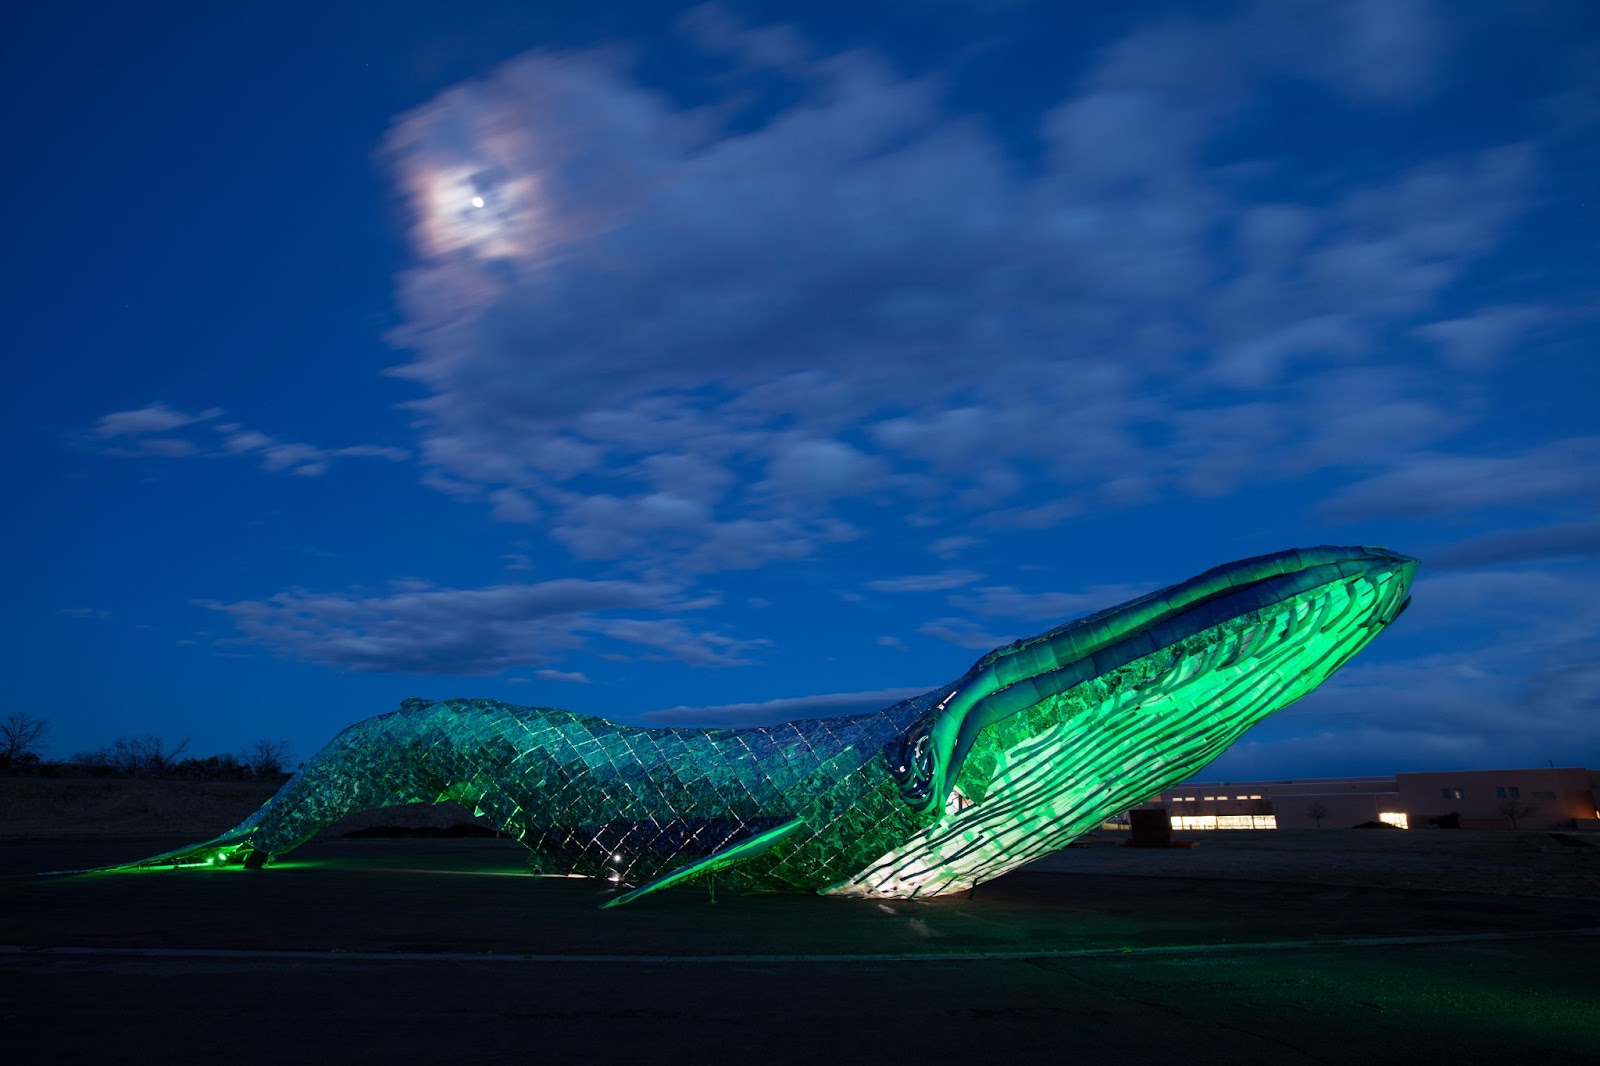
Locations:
1560 797
1343 801
1557 797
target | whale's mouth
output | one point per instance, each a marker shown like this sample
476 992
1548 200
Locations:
1024 674
1264 579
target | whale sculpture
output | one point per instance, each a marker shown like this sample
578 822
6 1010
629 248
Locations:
1040 741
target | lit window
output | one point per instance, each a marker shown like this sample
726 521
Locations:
1397 819
1255 797
1194 821
1241 797
1210 798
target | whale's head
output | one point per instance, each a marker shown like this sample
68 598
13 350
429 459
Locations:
1044 738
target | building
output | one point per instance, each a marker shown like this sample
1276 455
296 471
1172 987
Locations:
1543 798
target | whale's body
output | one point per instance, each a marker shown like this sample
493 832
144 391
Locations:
1038 742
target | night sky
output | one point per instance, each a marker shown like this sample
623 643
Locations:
727 364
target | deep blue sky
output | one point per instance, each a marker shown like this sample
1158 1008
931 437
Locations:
640 360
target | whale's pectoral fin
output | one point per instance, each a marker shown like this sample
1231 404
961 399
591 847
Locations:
730 856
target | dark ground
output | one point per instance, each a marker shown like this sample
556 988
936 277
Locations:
443 951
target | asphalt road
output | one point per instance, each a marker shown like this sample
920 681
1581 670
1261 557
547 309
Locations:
412 951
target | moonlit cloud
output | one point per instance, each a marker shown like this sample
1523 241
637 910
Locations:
866 297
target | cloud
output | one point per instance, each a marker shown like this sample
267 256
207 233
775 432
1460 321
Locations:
712 28
1478 341
944 579
699 337
1003 601
949 547
1569 539
767 712
453 631
963 633
575 677
1431 483
1380 52
142 433
147 420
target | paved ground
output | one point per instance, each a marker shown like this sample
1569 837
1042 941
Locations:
435 950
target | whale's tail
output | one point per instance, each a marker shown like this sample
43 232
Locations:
230 849
392 759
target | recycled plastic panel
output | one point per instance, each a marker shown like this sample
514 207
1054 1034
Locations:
1040 741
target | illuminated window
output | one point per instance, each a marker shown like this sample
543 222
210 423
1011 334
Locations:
1194 821
1224 821
1255 797
1397 819
1210 798
1241 797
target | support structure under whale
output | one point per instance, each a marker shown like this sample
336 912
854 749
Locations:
1038 742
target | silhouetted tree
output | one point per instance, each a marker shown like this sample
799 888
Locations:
212 768
1317 812
266 758
146 756
19 737
1515 810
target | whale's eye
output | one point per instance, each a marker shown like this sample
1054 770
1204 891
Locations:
910 761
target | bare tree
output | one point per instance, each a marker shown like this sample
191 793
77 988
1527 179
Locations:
146 756
1317 812
19 736
266 758
1515 810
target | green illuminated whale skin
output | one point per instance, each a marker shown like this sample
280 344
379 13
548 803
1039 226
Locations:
1040 741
